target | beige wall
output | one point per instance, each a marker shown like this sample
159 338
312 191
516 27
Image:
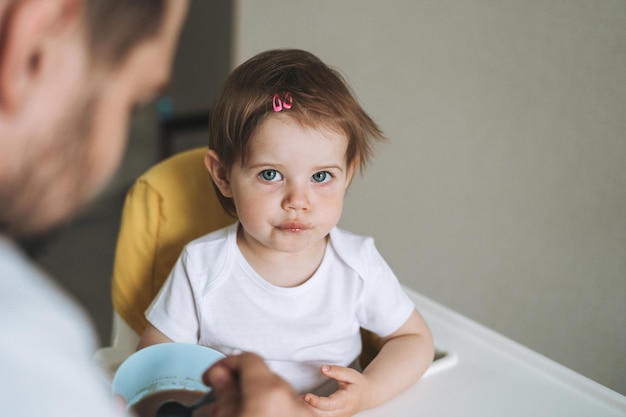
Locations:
502 193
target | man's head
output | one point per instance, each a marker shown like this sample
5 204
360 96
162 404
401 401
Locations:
71 72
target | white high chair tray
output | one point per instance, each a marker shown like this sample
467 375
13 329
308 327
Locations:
485 374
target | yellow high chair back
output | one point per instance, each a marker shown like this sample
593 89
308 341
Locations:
170 205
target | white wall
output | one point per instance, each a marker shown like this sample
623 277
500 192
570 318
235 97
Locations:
503 190
202 58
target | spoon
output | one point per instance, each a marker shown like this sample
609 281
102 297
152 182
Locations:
175 408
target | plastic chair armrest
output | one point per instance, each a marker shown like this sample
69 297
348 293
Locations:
123 343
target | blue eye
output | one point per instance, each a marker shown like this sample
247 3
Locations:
321 177
270 175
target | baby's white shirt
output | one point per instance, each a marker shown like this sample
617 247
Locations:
215 298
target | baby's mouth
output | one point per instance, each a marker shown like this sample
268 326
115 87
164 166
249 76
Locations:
293 227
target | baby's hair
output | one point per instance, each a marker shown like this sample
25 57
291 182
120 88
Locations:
320 97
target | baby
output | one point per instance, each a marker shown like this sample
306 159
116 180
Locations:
286 138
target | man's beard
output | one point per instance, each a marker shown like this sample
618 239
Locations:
54 181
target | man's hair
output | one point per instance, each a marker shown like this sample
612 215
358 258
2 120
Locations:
320 99
115 27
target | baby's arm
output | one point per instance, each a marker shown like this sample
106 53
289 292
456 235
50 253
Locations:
152 336
402 360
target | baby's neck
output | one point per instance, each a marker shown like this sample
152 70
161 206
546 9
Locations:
285 269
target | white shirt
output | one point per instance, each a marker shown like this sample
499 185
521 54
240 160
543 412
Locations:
46 347
215 298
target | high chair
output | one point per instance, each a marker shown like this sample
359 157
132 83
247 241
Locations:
173 203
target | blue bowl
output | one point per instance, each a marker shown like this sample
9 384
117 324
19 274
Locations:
163 367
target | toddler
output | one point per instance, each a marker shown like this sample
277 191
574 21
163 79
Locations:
286 138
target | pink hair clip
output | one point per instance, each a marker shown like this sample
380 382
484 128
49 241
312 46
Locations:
285 103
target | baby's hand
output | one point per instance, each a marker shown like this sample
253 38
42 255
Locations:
347 400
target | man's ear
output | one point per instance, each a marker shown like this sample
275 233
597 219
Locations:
28 39
219 173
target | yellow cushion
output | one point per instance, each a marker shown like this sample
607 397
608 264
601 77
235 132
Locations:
170 205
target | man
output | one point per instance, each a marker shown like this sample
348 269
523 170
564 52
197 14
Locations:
70 73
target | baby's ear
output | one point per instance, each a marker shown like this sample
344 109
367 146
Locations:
352 169
219 173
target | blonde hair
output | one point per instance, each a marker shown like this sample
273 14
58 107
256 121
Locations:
321 97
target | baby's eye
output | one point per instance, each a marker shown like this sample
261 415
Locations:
322 177
270 175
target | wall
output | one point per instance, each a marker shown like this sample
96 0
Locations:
502 190
203 56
